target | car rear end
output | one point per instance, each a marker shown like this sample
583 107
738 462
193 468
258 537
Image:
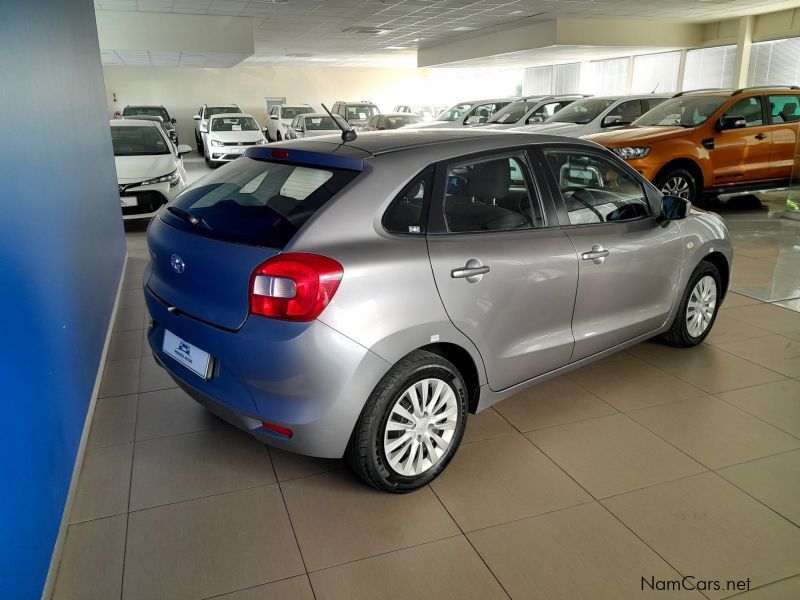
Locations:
234 317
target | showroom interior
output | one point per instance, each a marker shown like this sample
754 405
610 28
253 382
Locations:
660 459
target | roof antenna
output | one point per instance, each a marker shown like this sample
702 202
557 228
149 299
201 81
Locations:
348 135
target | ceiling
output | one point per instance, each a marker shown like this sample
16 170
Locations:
386 33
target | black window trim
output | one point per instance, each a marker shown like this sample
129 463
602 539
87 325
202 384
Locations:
430 172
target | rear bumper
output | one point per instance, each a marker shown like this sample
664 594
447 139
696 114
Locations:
304 376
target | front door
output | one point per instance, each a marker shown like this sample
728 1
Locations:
630 266
506 280
743 155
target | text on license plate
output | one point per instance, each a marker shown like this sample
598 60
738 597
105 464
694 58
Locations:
128 201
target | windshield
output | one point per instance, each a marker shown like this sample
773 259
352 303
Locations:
138 141
361 112
322 124
685 111
454 113
581 112
234 124
218 110
258 202
290 112
512 113
147 111
397 121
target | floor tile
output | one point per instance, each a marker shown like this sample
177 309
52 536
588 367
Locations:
627 383
125 344
727 329
210 546
767 316
91 561
338 519
448 568
713 432
774 480
552 402
613 454
154 377
194 465
732 300
577 553
704 366
103 484
113 422
128 319
774 352
131 298
503 479
170 412
294 588
776 403
486 424
703 525
793 304
120 378
289 465
786 589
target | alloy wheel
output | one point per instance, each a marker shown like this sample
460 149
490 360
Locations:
420 427
677 186
701 306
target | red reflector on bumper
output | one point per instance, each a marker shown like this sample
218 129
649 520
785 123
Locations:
284 431
280 154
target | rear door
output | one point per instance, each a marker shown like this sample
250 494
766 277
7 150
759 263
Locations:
784 117
743 155
630 266
506 279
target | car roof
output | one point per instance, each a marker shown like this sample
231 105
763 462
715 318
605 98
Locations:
366 102
486 100
398 114
134 122
224 115
313 115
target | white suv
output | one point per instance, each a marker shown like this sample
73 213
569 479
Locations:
281 117
201 121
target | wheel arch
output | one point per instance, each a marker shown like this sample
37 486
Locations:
690 165
721 263
464 362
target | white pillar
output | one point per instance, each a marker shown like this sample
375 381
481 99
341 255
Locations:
743 45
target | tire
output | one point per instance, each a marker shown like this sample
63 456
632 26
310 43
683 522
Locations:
278 136
678 182
681 333
199 143
389 470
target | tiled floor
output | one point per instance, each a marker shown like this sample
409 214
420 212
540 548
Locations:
652 463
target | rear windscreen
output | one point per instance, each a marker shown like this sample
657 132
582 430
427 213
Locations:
256 202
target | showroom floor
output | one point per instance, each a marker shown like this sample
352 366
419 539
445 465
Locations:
650 464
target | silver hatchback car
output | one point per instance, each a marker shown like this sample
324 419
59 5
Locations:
360 299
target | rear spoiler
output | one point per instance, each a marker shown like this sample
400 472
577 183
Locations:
305 157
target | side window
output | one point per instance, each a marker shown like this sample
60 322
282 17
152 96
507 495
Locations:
628 111
784 108
481 113
273 112
651 103
548 110
749 108
595 189
406 214
374 121
490 195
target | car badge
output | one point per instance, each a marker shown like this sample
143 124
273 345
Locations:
177 263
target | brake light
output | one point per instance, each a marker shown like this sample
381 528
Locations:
294 286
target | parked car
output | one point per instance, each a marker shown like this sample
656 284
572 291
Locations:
281 117
596 114
229 135
159 111
526 111
355 113
428 113
150 169
201 121
470 112
713 142
314 124
391 121
362 298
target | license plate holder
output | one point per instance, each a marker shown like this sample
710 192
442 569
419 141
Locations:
198 361
128 201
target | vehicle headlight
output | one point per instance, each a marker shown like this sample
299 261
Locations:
261 142
631 152
173 179
216 143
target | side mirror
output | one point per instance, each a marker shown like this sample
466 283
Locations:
298 129
196 117
535 120
203 128
184 149
673 209
174 120
731 122
274 117
612 121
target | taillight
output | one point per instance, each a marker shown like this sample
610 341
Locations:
294 286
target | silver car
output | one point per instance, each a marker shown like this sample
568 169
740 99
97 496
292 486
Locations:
361 299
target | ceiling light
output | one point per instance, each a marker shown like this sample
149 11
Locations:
396 48
463 28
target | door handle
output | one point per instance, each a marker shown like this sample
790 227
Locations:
597 254
473 271
761 136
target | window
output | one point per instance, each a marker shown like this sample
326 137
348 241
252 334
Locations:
775 63
546 111
627 112
482 112
655 73
552 79
784 108
750 109
138 140
490 195
566 78
538 80
406 214
361 112
218 110
273 112
651 103
289 112
709 68
234 124
595 189
686 111
146 111
606 77
582 111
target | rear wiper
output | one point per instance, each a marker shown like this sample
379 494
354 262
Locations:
185 215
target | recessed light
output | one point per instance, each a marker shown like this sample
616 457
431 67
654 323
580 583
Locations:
396 48
463 28
516 12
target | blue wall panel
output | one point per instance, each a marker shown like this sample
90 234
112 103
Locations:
62 249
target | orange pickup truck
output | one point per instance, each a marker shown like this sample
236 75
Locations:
709 142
